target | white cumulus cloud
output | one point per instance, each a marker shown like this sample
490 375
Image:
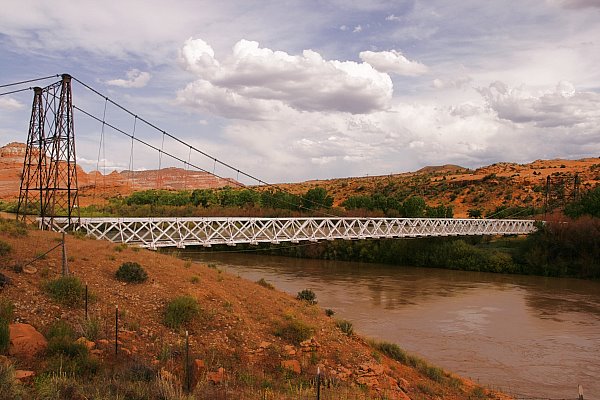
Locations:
259 79
561 107
10 104
135 79
393 62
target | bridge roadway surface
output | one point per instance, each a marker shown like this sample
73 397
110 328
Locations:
206 231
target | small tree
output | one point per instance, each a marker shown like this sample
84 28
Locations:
316 198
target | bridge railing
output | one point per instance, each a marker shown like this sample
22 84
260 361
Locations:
207 231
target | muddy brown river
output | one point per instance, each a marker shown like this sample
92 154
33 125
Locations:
529 336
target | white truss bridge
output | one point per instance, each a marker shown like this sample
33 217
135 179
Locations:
207 231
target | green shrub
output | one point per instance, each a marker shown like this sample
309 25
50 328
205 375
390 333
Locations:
6 316
345 326
180 311
7 309
262 282
392 350
66 346
307 295
131 272
4 336
60 329
294 331
5 248
395 352
9 386
12 227
329 312
90 328
67 290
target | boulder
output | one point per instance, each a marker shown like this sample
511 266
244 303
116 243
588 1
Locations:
25 341
87 343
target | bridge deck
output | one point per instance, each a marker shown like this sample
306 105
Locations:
196 231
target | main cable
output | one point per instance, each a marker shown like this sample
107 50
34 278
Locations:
29 81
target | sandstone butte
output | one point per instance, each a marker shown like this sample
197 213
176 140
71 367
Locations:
236 345
485 188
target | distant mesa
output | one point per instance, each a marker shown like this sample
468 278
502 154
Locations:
450 168
114 183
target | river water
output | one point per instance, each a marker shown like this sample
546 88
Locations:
531 336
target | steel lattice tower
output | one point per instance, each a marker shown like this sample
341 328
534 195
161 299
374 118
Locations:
49 178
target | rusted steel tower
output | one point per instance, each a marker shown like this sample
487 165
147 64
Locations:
49 179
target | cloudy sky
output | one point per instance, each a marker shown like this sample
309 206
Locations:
294 90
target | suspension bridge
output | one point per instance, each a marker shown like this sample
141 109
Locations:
49 183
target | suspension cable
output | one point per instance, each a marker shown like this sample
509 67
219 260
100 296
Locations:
215 160
16 91
29 81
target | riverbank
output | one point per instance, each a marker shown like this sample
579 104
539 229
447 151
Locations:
246 339
531 336
559 249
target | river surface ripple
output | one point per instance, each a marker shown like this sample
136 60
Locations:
532 336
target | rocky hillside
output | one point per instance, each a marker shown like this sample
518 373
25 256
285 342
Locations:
484 189
247 340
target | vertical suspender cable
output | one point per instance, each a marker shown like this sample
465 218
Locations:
131 153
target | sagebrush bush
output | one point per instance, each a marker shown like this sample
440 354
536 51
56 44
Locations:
294 331
12 227
67 290
4 336
65 355
90 328
10 388
5 248
345 326
60 329
307 295
395 352
262 282
6 316
131 272
181 311
7 309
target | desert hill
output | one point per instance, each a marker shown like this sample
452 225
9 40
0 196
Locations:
485 188
248 340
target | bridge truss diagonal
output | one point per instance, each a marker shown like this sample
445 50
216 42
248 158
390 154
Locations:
154 233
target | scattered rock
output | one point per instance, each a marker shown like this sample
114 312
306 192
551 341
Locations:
198 369
291 365
29 269
25 341
216 377
289 350
87 343
264 345
22 375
